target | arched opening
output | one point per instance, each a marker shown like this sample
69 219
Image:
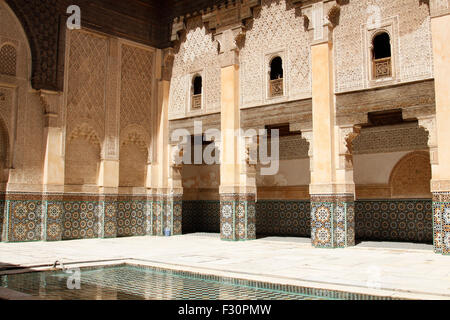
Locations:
382 55
201 199
392 174
8 60
411 177
276 77
283 206
197 89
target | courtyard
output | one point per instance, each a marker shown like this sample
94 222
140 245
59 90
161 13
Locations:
374 268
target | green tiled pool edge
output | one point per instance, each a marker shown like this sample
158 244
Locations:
307 291
322 294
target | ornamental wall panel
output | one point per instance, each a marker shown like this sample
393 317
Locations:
86 80
411 40
197 53
136 94
277 27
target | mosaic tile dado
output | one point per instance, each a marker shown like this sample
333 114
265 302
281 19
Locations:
23 220
67 217
237 217
283 218
81 220
332 221
394 220
131 218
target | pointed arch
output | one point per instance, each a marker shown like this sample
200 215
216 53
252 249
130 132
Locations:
411 176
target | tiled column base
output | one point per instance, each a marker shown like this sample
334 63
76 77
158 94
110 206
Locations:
174 214
167 215
332 221
237 217
441 222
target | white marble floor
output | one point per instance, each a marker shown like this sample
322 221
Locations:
397 270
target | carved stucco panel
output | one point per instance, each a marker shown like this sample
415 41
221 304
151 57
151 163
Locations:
87 74
136 87
276 24
413 40
197 52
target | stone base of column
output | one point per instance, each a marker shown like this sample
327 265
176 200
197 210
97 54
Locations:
332 221
237 217
166 215
441 222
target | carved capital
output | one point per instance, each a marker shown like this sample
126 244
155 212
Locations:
429 124
178 26
177 154
346 137
320 18
167 64
50 101
230 41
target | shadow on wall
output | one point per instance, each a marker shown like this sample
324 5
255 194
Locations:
407 215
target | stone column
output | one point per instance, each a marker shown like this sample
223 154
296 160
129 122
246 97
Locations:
332 189
440 183
165 184
237 201
53 174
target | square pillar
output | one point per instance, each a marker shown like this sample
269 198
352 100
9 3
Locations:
173 215
237 217
332 188
333 221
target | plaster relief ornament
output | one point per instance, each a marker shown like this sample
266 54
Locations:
177 156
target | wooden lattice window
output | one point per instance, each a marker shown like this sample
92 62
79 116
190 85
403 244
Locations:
197 87
276 78
381 56
8 60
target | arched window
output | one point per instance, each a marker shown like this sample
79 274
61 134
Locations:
8 58
197 88
276 77
382 56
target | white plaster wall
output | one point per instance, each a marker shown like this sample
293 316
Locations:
375 168
201 176
291 173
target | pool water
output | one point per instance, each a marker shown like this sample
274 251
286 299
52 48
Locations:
127 282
